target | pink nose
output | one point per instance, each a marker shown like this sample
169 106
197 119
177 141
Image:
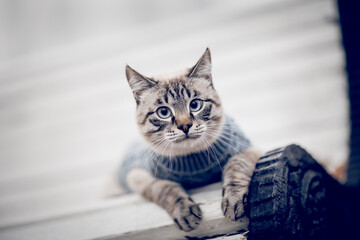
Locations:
185 127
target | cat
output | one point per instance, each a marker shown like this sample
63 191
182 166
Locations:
189 142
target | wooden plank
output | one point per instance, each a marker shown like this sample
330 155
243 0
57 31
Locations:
241 236
137 31
39 205
129 221
110 43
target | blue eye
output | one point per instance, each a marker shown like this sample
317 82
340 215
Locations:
195 105
163 112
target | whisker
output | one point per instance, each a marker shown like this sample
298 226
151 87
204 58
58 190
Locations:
171 162
211 148
207 148
152 153
227 136
162 157
236 150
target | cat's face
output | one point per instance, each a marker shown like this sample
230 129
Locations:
178 113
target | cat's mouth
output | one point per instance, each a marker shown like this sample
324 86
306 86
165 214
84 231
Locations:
186 137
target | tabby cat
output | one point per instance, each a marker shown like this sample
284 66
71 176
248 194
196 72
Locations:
189 142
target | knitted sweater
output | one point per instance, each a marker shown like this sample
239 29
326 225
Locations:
192 170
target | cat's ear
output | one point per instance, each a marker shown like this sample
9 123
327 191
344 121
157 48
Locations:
138 82
203 67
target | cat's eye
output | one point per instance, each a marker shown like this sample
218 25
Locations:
195 105
163 112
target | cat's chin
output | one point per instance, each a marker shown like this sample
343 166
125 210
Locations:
187 139
187 146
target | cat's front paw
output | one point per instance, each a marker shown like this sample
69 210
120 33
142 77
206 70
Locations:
233 202
186 214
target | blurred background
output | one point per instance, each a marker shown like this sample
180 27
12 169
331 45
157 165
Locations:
67 113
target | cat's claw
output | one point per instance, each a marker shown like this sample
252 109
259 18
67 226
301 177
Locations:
233 202
187 215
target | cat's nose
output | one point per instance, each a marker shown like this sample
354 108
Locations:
185 127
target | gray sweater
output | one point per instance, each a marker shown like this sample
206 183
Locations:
193 170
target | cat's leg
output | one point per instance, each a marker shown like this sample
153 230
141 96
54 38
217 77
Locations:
168 195
236 178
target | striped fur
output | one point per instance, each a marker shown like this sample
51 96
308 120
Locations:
236 178
170 196
185 130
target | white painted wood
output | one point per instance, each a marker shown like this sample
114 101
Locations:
241 236
205 17
144 220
